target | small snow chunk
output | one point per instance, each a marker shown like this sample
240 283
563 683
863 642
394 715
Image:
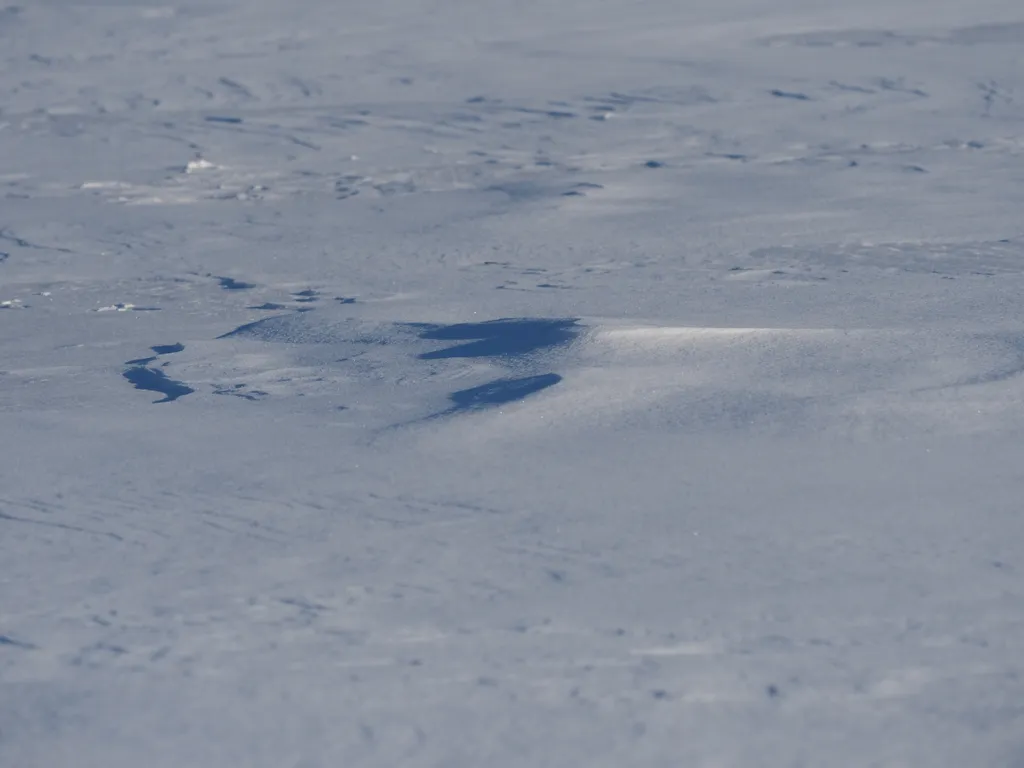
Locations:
104 185
197 165
126 307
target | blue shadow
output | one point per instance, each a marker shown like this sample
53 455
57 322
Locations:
168 349
230 284
500 392
153 380
500 338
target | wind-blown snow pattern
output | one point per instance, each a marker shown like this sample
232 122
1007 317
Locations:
430 383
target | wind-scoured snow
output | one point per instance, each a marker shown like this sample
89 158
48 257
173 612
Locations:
431 383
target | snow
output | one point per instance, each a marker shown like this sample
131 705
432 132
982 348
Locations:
433 383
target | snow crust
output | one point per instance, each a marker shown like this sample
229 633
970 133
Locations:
435 383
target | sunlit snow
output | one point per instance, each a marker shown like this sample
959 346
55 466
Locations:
448 384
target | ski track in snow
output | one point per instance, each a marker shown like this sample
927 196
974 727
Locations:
422 383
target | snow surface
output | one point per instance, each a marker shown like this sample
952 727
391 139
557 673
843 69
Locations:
436 383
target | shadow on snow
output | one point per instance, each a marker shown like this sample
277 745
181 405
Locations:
500 392
500 338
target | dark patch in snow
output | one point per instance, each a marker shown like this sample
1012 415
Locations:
268 306
500 338
152 380
10 642
501 391
344 300
168 349
345 187
222 119
653 164
237 88
790 95
230 284
160 349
